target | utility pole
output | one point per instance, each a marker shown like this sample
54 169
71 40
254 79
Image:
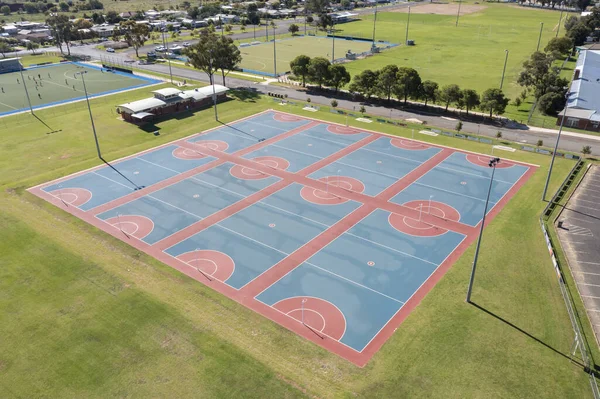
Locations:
375 22
540 36
407 23
274 53
332 41
492 164
213 86
90 112
562 122
24 85
458 13
504 69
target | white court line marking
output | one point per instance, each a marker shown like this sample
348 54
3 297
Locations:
323 139
395 156
590 296
472 174
296 151
353 282
591 189
588 207
6 105
453 192
369 170
593 310
593 202
391 249
590 263
569 218
271 127
114 181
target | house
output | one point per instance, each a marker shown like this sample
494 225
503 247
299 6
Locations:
583 99
169 101
104 30
342 17
127 14
10 29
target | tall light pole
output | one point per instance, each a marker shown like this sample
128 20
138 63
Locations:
504 69
24 85
374 24
458 13
540 36
407 23
90 111
166 44
332 41
213 86
562 122
274 52
267 26
492 164
559 22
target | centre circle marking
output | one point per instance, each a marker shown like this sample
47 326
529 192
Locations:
463 183
136 173
371 263
271 225
378 161
196 195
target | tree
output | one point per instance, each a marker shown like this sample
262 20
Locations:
293 29
579 33
334 103
469 99
586 150
193 12
494 101
5 10
551 103
498 134
540 143
4 48
582 4
365 83
200 55
32 46
459 126
317 6
318 70
362 109
227 56
62 30
228 28
386 80
338 76
134 34
325 21
559 45
429 91
570 22
299 67
185 5
539 75
450 94
408 82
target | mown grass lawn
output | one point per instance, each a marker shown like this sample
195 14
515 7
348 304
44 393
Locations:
470 55
85 315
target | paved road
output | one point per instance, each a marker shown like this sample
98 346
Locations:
580 239
569 141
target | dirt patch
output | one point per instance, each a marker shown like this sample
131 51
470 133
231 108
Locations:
442 9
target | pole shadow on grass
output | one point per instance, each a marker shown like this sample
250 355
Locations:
48 126
539 341
259 139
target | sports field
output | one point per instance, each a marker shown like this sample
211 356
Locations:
58 83
336 233
470 55
259 57
83 314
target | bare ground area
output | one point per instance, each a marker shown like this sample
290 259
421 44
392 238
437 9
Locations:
442 9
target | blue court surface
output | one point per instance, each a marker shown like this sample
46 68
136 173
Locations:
293 243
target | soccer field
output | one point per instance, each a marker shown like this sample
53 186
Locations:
58 83
258 58
471 54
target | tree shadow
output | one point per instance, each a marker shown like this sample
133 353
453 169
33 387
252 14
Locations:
539 341
245 94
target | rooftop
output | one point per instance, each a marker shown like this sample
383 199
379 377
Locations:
585 91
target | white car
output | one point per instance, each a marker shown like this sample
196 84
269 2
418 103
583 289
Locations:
110 50
186 44
160 49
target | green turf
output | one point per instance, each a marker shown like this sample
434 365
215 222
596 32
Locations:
84 315
260 57
58 83
470 55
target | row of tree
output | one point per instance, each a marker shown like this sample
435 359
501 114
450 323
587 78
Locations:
41 7
403 83
320 71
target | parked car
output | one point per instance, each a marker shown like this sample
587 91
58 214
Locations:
110 50
160 49
186 44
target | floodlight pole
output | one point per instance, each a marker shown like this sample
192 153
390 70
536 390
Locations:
332 42
267 26
504 69
374 23
274 53
540 36
562 121
212 78
458 13
559 21
492 164
407 24
25 85
90 111
166 44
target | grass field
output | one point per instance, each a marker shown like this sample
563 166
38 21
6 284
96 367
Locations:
58 83
260 57
470 55
84 315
